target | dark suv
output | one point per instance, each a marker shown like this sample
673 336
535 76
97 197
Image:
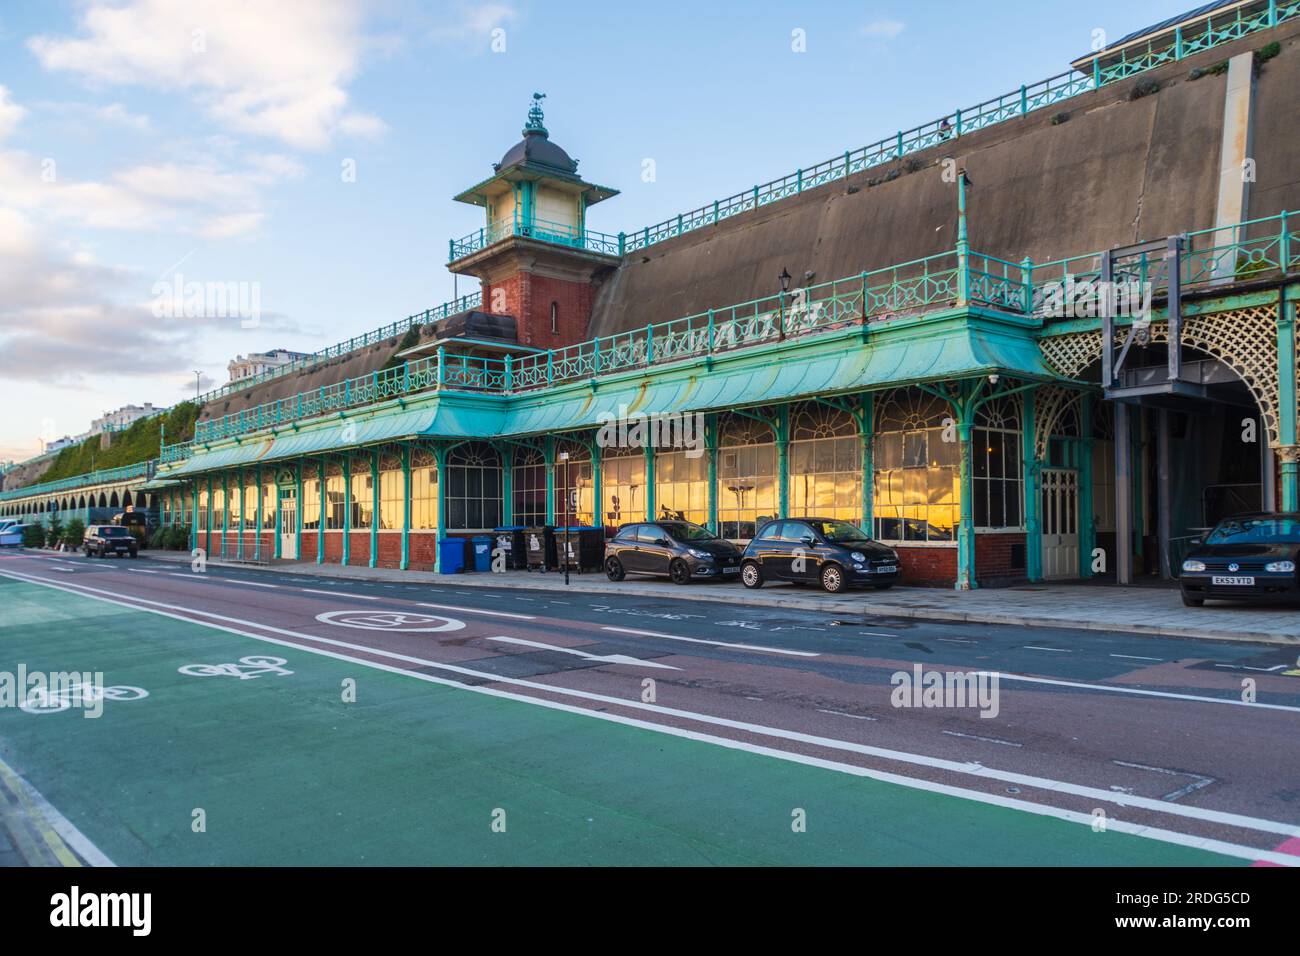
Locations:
101 540
685 552
834 553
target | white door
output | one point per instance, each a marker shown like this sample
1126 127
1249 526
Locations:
1060 517
288 525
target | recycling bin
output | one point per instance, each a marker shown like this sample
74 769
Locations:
451 555
539 542
582 547
510 539
481 546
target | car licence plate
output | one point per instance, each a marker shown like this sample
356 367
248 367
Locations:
730 570
1235 580
887 569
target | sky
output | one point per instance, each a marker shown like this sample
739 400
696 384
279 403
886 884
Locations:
303 153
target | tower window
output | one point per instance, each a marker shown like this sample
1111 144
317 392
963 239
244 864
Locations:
555 316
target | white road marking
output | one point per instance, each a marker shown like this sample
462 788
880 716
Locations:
969 768
251 584
1243 667
1058 650
142 571
988 740
840 713
193 576
1139 692
955 640
605 658
344 594
471 610
697 640
74 838
1138 657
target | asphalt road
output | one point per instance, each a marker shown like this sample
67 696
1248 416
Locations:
1150 736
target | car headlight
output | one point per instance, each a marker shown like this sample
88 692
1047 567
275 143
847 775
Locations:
1282 567
696 553
1193 565
859 556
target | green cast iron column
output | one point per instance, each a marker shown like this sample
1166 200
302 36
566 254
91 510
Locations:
867 428
374 507
277 546
225 510
548 458
711 449
243 517
507 485
207 520
299 516
1030 477
347 509
406 507
597 489
440 463
257 538
1087 514
649 482
320 533
194 533
1289 492
966 527
783 460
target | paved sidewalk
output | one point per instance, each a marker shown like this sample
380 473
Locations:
1102 607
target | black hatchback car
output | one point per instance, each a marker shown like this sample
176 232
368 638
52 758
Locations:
104 539
832 553
1245 557
684 551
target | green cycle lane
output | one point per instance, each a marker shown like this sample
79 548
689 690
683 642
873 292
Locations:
413 773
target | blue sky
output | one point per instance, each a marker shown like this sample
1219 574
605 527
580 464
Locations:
144 138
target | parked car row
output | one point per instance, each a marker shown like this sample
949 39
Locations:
835 554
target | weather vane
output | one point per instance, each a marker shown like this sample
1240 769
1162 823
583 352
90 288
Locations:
535 114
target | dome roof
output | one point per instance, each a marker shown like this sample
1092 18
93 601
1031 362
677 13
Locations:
536 149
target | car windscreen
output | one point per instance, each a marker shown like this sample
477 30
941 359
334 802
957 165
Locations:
840 532
114 532
682 531
1255 531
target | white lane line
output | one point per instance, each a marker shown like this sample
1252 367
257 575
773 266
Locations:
840 713
189 577
955 640
342 594
1140 692
697 640
474 610
251 584
604 658
1138 657
142 571
975 769
987 740
1034 647
65 828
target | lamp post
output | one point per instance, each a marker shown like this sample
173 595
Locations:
198 383
564 457
784 279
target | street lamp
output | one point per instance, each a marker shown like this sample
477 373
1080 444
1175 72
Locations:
784 279
564 457
198 383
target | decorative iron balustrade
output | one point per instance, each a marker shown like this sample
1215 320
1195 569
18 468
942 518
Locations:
143 469
543 230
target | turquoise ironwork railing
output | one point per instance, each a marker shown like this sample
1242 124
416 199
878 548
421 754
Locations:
1257 248
1160 49
543 230
143 469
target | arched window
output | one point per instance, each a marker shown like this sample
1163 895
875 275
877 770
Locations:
424 489
473 493
747 478
622 485
574 485
528 486
825 463
392 500
996 466
916 460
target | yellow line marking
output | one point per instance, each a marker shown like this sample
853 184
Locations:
13 783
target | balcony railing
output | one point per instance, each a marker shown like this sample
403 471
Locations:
1262 247
542 230
143 469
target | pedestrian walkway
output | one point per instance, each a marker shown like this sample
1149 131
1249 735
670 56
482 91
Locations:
1089 606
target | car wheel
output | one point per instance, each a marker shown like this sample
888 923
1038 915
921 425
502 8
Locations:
751 575
678 572
832 579
614 570
134 554
1191 601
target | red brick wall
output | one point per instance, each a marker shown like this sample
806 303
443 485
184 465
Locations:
307 550
931 567
528 298
424 549
993 565
359 553
334 547
390 549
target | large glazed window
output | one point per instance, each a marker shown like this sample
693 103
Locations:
747 478
997 467
825 463
335 497
574 487
363 495
623 486
392 500
681 487
311 504
916 459
528 486
424 490
473 494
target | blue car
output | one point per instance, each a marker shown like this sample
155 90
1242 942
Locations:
825 551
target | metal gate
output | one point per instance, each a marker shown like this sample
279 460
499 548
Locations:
288 524
1060 516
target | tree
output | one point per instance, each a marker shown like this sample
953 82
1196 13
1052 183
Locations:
74 533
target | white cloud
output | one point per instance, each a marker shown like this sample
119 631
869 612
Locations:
10 113
273 69
884 28
471 20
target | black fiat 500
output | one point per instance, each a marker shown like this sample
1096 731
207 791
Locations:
1245 557
832 553
685 552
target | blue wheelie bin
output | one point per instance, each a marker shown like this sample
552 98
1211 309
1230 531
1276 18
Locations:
482 547
451 555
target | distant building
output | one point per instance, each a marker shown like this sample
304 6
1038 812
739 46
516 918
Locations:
121 418
60 443
256 363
